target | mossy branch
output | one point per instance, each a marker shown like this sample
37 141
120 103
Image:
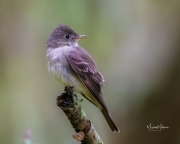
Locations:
71 106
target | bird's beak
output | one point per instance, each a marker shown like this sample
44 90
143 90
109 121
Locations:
81 37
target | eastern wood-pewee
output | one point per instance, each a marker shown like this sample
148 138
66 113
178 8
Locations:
73 66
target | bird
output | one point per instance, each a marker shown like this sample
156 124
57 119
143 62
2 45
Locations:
73 66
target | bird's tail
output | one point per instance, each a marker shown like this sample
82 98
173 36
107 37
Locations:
109 120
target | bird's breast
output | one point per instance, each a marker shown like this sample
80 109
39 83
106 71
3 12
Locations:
59 67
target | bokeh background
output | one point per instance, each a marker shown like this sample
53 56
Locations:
136 45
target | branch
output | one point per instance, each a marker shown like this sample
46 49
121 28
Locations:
71 106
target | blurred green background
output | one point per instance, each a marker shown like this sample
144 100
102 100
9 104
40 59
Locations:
136 45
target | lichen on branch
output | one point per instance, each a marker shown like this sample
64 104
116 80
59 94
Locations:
71 106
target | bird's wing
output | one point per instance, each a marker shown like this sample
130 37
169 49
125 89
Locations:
85 68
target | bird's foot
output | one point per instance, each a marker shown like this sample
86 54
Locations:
65 98
68 90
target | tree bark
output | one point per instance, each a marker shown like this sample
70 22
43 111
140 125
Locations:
71 106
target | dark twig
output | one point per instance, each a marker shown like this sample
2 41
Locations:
71 105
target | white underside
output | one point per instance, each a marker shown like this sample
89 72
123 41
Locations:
60 69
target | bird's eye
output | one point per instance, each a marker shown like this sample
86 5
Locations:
67 36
